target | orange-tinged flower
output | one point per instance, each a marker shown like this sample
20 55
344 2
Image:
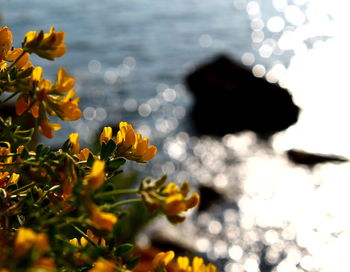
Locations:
132 146
5 149
47 129
149 153
45 263
83 154
103 220
142 149
126 135
162 259
13 179
106 134
103 265
5 41
22 62
23 103
74 141
183 264
68 107
96 177
48 99
27 239
3 178
170 199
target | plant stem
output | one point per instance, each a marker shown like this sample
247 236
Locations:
121 203
117 192
53 188
85 236
24 188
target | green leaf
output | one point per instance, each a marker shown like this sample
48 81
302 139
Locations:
13 73
107 149
116 163
130 264
38 150
90 160
123 249
66 146
24 154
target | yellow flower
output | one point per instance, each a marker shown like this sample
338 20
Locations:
13 179
162 259
106 134
68 108
48 98
83 154
132 146
74 141
5 149
46 129
64 83
97 175
103 220
45 264
49 45
21 63
183 264
5 41
103 265
170 199
37 74
142 149
83 242
27 239
126 135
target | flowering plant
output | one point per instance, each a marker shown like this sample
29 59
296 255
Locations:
59 210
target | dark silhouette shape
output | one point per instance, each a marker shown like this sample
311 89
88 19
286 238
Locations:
208 197
229 99
311 159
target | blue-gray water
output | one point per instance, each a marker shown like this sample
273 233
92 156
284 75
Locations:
130 58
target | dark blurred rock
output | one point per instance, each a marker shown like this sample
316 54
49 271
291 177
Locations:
311 159
229 99
208 197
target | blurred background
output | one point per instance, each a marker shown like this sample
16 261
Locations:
275 200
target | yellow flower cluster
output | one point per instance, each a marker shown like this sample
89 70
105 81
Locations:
170 199
103 265
9 54
71 189
26 241
183 264
48 98
83 241
46 45
102 220
132 145
37 95
6 178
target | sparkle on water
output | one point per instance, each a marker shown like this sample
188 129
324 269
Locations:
288 217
